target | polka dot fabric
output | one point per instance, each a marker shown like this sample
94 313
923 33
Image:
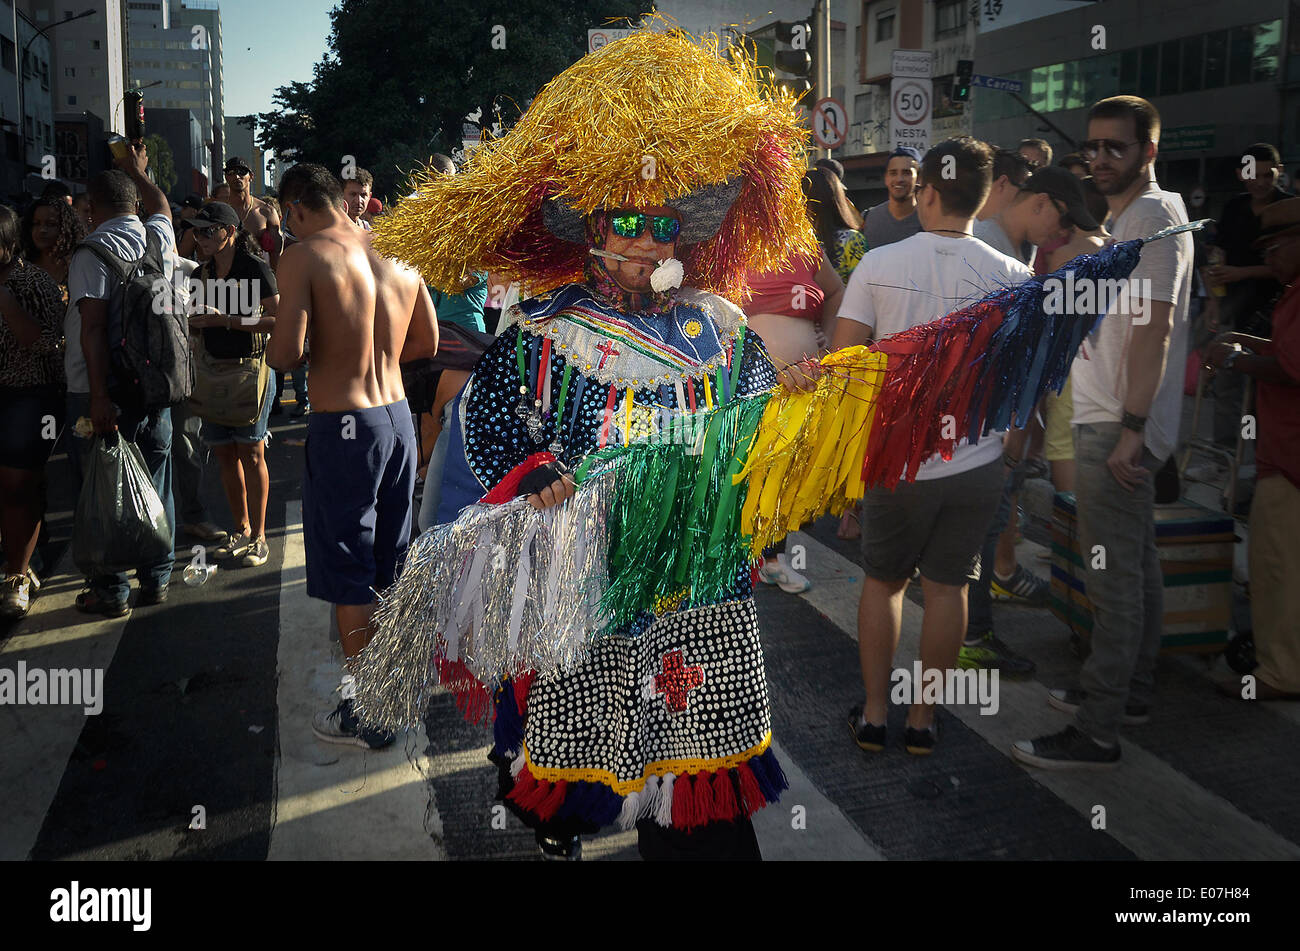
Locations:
612 715
496 439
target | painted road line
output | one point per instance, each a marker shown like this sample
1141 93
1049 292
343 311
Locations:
1150 806
819 832
37 741
336 802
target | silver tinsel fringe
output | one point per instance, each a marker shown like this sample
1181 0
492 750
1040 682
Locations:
504 589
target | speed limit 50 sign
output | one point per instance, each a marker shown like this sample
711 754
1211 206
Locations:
910 100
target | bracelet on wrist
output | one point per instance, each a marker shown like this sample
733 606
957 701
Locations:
1009 462
1133 421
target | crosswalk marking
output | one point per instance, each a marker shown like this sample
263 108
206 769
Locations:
336 802
37 742
1150 806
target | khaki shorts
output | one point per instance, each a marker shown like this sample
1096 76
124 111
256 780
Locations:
1058 443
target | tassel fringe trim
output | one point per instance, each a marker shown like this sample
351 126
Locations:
687 801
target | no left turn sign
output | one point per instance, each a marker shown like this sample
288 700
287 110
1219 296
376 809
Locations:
830 123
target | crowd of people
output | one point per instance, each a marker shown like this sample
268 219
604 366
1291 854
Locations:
306 287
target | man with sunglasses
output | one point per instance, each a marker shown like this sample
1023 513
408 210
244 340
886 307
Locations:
256 217
1127 382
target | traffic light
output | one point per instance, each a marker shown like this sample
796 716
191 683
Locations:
961 80
793 65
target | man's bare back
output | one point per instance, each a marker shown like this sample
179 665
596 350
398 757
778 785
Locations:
365 313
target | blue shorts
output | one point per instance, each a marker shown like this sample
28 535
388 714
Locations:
357 489
257 431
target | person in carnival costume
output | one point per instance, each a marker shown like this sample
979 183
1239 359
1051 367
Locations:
610 630
636 192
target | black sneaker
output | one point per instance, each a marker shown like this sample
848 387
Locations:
1069 749
90 603
1023 587
921 742
991 654
341 726
868 736
565 849
151 596
1069 701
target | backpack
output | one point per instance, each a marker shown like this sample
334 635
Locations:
149 357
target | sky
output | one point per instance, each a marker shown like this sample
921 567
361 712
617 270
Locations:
269 43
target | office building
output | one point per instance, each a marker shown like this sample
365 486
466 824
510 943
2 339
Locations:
175 57
89 61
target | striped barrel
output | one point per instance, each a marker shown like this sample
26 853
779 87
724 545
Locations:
1195 546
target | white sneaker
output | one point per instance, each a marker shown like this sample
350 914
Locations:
782 575
17 596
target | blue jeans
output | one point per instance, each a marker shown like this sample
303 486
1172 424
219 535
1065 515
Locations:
152 434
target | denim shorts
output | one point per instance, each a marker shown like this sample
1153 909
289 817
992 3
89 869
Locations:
255 432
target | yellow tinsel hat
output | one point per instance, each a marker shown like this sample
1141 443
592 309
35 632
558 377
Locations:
656 118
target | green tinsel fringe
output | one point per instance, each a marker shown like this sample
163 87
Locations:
675 534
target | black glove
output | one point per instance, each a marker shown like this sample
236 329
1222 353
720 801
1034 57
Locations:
542 476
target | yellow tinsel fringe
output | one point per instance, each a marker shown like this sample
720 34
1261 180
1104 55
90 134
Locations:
806 458
650 117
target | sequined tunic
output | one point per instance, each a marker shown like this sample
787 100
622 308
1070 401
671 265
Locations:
678 694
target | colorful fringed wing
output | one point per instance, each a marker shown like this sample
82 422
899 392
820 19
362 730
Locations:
671 521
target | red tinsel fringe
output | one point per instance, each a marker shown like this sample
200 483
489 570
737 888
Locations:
472 698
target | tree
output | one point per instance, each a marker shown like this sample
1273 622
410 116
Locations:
399 77
161 161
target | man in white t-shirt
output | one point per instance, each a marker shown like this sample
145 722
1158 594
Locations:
1127 382
938 522
114 196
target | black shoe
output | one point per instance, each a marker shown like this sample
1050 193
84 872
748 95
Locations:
90 603
564 849
1069 749
868 736
1069 701
341 726
151 596
989 653
921 742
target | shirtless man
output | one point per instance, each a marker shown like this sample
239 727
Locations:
255 216
366 314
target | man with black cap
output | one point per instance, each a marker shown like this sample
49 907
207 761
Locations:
1045 208
255 216
1049 203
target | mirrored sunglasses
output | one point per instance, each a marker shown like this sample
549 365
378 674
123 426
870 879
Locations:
663 228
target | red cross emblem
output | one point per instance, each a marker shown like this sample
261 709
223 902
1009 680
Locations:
677 681
607 348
